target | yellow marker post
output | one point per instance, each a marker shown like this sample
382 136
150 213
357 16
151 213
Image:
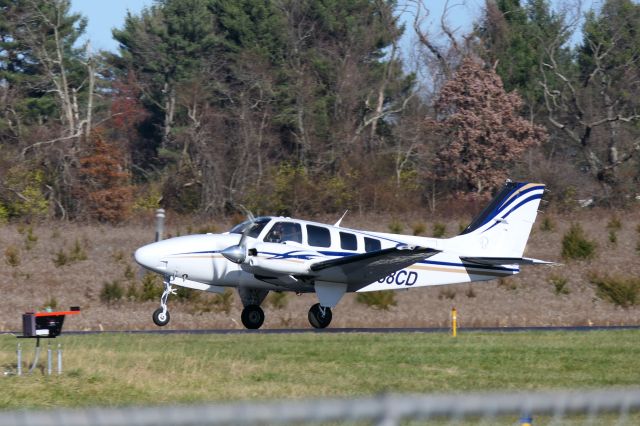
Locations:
454 322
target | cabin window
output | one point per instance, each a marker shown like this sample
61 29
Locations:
284 231
318 236
371 244
348 241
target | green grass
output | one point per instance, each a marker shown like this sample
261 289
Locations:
118 369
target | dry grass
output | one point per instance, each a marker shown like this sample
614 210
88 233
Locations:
33 279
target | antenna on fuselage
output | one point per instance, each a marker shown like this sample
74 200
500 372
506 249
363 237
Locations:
337 224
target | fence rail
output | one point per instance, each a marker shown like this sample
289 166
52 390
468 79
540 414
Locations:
383 410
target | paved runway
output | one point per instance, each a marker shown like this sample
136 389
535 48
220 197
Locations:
365 330
352 330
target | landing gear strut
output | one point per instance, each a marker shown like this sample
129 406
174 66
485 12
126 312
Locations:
161 315
319 317
252 317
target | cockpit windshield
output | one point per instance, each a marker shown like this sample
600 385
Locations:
259 224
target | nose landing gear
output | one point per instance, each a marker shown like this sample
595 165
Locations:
161 315
319 316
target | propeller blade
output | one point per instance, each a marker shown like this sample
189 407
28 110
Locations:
238 253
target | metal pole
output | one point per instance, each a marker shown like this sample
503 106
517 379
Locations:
36 356
59 358
49 359
159 223
19 353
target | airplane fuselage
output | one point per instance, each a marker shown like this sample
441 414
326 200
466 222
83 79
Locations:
195 261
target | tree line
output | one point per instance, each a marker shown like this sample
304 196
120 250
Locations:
305 107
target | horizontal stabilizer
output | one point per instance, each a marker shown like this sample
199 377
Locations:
506 261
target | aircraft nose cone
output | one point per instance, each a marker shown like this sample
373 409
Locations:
146 257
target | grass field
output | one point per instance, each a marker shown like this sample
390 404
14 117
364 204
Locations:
120 369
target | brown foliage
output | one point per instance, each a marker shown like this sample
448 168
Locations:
105 188
483 132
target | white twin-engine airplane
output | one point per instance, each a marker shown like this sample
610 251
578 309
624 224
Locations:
282 254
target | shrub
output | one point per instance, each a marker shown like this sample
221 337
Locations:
613 237
151 289
224 301
439 230
77 253
4 214
11 256
111 292
30 239
419 228
559 284
547 224
614 224
129 273
382 300
61 258
507 284
51 304
395 227
576 246
470 293
447 293
621 291
278 299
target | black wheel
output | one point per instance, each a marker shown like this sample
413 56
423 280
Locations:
317 319
252 317
161 319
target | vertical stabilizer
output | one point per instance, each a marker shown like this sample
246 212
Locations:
503 227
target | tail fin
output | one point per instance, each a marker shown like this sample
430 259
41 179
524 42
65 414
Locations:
503 227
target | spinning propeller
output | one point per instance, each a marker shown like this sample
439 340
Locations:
238 253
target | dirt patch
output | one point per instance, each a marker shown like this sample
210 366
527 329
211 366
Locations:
529 299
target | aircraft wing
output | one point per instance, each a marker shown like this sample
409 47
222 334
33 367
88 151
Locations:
360 270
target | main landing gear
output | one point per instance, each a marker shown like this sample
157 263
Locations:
161 315
252 317
319 317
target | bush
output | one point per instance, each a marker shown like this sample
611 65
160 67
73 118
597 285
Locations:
111 292
576 246
51 304
151 288
559 285
547 224
278 299
470 293
76 254
395 227
446 293
439 230
419 228
224 301
382 300
11 256
621 291
60 258
30 239
614 224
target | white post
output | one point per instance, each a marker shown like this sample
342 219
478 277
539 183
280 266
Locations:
159 223
19 352
59 359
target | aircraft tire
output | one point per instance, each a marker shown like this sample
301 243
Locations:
159 319
316 319
252 317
